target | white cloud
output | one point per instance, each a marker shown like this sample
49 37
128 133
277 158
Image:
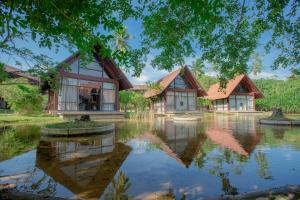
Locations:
148 74
265 75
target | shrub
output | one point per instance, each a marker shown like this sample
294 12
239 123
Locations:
21 96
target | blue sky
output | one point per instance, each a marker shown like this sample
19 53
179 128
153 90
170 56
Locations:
148 74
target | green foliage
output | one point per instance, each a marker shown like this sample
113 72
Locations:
226 32
207 81
154 85
3 74
256 63
71 24
18 140
204 102
133 100
198 68
279 94
22 119
21 96
76 124
119 188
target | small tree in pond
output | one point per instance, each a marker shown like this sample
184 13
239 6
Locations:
125 99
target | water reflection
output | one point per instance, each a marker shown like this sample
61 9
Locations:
238 133
85 166
180 140
164 159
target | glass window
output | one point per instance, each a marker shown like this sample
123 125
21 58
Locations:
108 86
192 101
86 95
232 103
170 101
92 69
73 68
89 72
179 82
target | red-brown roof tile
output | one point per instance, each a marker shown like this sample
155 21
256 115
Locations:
167 80
215 92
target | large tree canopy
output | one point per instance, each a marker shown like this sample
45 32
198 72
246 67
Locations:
73 24
223 33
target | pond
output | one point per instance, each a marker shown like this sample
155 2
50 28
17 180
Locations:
222 154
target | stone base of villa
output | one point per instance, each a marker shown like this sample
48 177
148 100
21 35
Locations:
183 113
240 112
94 115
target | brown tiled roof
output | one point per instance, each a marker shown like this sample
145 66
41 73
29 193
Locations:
21 73
110 68
166 81
225 139
215 92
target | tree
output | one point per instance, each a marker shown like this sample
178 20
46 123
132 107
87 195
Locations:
72 24
224 33
198 68
121 38
256 64
125 99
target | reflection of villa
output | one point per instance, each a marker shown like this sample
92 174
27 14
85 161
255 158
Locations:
240 137
179 140
85 167
239 95
176 92
88 87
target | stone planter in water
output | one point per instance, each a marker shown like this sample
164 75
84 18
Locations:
277 118
77 131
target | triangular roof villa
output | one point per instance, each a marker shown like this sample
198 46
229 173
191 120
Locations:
88 88
177 92
239 95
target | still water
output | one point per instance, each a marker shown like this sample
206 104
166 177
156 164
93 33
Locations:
162 159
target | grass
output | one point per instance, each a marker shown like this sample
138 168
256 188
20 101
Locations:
17 140
16 118
76 124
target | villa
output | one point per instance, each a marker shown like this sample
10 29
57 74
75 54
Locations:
177 92
238 96
91 89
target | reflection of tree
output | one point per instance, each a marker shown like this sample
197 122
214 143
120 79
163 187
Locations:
263 170
219 163
226 186
119 188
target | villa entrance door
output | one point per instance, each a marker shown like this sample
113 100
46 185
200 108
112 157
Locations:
181 101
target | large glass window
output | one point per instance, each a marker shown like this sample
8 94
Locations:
170 101
90 69
89 95
232 103
180 83
181 101
86 95
192 100
109 96
68 94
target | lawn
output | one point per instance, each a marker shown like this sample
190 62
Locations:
22 119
